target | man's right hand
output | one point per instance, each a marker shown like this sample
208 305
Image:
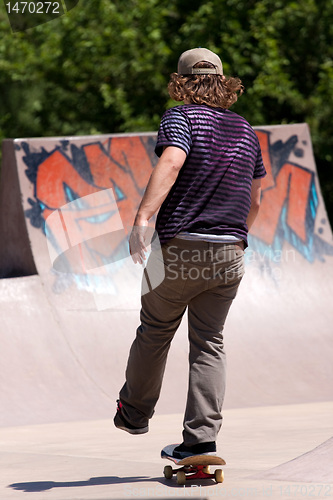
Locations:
137 244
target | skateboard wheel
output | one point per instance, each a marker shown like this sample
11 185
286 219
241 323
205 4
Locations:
168 472
219 475
181 477
206 469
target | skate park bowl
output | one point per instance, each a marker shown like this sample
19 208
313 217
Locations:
70 301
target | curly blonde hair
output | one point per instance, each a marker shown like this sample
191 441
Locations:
214 90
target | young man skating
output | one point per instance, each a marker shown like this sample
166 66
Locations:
206 189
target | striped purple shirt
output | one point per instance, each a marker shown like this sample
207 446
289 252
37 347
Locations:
212 193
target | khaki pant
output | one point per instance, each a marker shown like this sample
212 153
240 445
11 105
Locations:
204 278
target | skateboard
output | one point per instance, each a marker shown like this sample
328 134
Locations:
196 467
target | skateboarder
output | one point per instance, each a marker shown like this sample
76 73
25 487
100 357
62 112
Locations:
206 189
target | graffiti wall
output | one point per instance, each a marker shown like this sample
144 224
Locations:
84 198
70 171
290 200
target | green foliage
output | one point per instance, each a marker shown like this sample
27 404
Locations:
104 66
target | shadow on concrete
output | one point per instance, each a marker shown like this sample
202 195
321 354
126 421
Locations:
36 486
40 486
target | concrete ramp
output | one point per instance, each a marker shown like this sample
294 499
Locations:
315 466
42 378
66 207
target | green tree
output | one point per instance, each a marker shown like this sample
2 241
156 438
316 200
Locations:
97 69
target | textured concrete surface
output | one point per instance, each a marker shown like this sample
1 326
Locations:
94 460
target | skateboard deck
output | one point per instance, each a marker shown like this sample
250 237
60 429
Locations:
195 467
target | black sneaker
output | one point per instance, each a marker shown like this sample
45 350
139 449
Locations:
121 423
181 451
